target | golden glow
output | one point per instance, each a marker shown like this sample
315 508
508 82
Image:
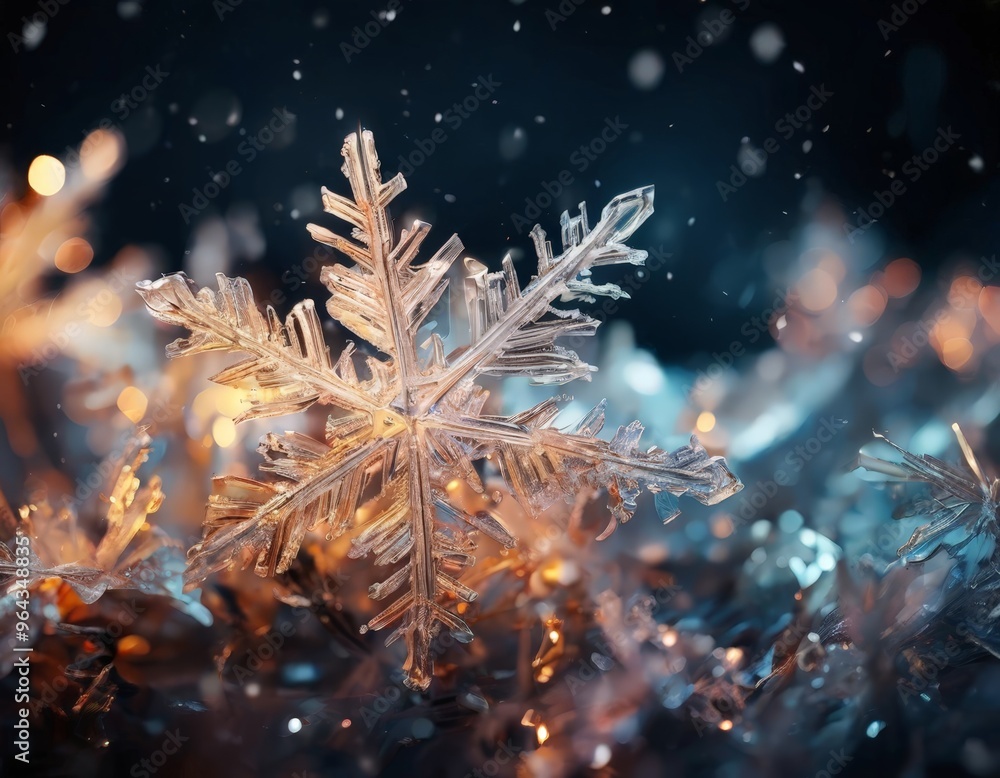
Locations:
104 306
46 175
132 402
956 352
964 292
224 432
553 636
867 304
832 264
722 527
228 401
817 290
901 277
989 306
543 734
74 255
705 422
133 645
669 638
725 725
100 154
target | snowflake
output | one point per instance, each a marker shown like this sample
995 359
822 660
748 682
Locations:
413 422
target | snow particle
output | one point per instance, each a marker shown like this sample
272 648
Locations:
645 69
767 43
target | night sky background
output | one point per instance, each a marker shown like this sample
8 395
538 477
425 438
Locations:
892 90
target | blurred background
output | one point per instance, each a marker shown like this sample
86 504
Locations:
823 263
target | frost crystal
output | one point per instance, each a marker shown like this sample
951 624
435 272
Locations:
413 421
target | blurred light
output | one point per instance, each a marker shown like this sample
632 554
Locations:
705 422
725 725
132 645
867 304
722 527
294 725
602 755
132 402
767 43
101 154
74 255
989 306
817 290
104 307
901 277
833 265
224 432
947 329
644 377
964 292
46 175
543 734
645 69
956 352
228 401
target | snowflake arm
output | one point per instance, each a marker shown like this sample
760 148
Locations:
288 366
542 464
509 335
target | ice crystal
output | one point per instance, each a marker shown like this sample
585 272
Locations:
962 507
131 554
413 422
960 519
